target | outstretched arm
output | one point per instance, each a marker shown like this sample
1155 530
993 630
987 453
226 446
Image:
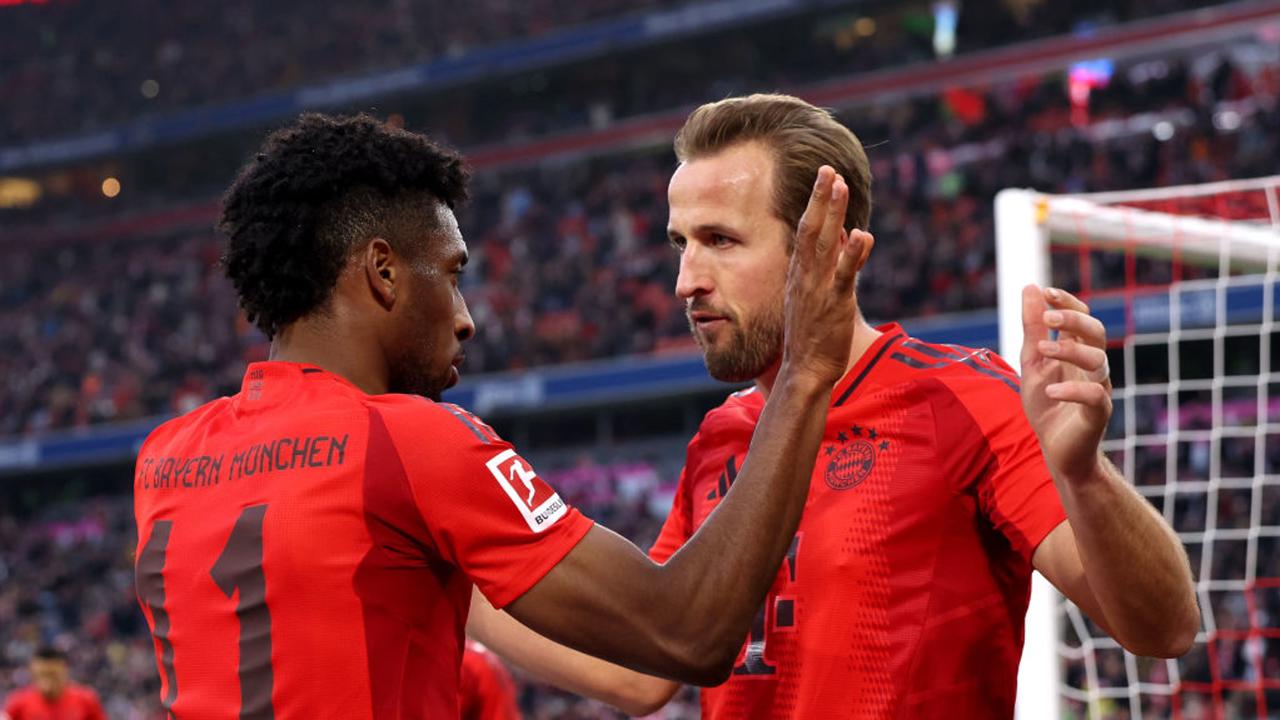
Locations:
1115 556
686 619
631 692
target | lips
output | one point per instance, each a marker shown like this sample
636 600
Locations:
702 316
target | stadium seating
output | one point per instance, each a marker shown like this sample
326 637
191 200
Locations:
83 67
570 264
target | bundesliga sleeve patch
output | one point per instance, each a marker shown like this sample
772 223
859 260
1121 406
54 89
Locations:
539 505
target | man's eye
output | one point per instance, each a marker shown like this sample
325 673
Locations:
678 243
721 241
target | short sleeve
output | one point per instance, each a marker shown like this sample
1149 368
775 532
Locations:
486 510
678 527
985 438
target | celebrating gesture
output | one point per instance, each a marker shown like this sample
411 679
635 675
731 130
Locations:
1066 383
821 306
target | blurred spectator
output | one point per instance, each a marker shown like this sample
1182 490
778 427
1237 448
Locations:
52 694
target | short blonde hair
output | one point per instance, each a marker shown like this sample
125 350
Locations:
802 138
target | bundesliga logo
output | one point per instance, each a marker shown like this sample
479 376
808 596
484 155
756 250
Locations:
853 462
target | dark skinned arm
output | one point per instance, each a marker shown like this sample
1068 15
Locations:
686 619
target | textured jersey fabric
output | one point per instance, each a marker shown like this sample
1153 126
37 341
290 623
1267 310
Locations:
307 550
905 589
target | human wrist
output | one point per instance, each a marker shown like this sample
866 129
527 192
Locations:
801 381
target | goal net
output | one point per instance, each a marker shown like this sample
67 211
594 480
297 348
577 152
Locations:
1184 280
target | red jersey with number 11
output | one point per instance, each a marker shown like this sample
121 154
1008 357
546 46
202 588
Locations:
306 550
904 591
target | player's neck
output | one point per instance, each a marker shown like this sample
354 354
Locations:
864 335
319 342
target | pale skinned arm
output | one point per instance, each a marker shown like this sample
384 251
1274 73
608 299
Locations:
631 692
1114 556
685 619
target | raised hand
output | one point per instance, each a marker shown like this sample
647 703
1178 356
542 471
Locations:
1066 383
821 306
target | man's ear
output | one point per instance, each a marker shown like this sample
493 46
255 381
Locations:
381 271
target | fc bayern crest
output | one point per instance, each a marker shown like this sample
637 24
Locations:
853 462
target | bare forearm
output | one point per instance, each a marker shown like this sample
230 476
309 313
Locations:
768 497
686 619
1134 564
632 692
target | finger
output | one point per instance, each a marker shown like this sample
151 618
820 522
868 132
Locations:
852 257
811 221
1059 298
1074 324
833 221
1086 357
1033 328
1095 398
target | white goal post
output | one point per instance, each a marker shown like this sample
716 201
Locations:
1198 266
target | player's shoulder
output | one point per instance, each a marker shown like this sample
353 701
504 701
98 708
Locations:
738 414
84 693
21 697
957 368
193 424
426 417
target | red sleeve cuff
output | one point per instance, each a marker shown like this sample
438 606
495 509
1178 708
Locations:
569 532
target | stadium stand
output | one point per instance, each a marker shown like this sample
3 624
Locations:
91 66
572 263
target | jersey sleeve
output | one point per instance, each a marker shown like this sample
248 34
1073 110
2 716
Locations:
486 510
678 526
1001 455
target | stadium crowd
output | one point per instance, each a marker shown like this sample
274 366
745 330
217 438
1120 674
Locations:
571 262
82 67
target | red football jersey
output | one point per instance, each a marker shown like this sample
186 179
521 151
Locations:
904 592
75 703
487 691
306 550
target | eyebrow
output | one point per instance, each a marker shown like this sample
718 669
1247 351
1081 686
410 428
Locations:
706 229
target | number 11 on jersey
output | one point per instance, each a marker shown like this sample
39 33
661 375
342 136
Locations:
237 568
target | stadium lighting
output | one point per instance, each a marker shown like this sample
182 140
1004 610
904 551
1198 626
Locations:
111 187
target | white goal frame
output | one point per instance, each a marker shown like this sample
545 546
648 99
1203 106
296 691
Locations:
1026 222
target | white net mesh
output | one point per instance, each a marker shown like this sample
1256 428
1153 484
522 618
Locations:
1184 279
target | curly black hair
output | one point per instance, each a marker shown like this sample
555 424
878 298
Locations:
315 191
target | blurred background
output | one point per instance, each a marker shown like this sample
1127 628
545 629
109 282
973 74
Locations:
122 122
